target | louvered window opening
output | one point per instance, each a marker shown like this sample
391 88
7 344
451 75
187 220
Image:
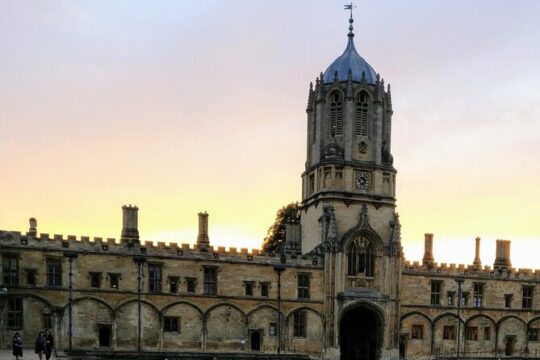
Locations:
361 121
336 115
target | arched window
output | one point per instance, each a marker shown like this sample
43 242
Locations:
336 114
361 258
361 114
352 265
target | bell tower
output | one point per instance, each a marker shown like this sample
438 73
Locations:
348 207
349 161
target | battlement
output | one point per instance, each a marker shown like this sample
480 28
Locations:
442 269
85 244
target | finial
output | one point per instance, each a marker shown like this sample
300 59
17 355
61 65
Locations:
351 20
311 86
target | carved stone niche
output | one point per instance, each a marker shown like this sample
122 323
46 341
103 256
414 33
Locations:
333 151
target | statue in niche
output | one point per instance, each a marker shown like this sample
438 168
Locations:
387 158
333 151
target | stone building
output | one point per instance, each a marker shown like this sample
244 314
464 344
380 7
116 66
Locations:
339 289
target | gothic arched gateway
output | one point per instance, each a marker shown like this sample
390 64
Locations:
360 334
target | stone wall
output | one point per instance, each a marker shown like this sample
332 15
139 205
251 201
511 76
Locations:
495 324
220 322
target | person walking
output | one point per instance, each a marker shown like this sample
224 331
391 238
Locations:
16 345
49 345
41 343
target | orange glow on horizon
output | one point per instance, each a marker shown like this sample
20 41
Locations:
184 107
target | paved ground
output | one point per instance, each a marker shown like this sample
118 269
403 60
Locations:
28 354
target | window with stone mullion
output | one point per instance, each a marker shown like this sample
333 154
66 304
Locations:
10 270
54 272
300 324
15 313
210 281
527 297
154 278
478 295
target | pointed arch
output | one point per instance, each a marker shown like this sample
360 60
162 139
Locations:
507 317
468 321
447 314
361 231
412 313
335 100
263 306
121 304
90 297
182 302
303 308
231 305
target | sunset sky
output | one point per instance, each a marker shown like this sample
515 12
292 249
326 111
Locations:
184 106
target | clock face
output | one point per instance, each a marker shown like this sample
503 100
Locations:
362 181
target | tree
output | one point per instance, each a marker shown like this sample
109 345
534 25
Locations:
289 214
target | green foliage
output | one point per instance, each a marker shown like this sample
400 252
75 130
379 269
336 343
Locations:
289 214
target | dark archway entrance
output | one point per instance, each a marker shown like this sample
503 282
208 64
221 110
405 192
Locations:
359 335
105 335
256 341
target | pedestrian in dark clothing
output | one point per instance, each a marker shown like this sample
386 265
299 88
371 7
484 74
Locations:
49 346
16 345
41 343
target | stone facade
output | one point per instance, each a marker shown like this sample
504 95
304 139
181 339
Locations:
211 312
498 314
339 288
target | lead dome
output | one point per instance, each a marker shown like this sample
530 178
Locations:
350 60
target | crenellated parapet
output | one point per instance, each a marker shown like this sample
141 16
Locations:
99 245
501 268
469 270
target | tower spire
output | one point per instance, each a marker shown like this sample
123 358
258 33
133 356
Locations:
351 20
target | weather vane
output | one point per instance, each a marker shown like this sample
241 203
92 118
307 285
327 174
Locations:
350 7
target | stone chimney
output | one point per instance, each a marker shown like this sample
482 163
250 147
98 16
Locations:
202 239
130 227
33 226
477 263
428 260
502 255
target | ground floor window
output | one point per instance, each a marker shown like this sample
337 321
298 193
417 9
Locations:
15 313
417 332
449 332
472 333
171 324
532 335
300 324
487 333
273 329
